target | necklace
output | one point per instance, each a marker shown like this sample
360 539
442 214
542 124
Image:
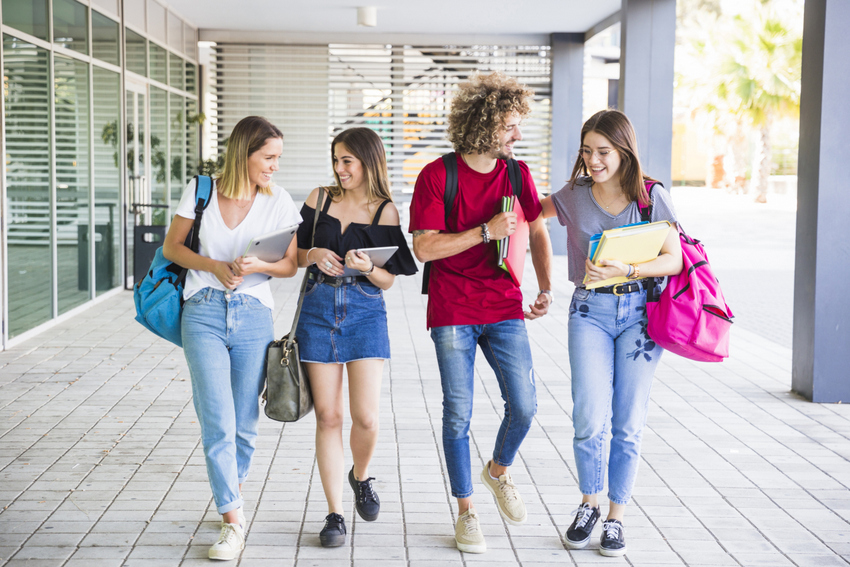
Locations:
614 200
246 205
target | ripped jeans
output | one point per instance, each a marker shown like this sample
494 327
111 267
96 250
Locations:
505 346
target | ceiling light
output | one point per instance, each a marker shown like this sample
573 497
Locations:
367 16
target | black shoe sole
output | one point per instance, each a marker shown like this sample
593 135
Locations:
356 488
334 540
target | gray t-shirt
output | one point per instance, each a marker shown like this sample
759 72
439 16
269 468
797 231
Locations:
578 210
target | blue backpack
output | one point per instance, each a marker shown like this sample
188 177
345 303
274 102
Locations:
159 296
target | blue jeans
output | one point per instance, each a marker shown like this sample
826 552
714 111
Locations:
505 346
612 362
225 338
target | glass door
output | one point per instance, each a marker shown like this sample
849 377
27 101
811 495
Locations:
138 195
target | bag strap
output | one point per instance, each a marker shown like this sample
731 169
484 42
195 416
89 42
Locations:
514 176
291 336
203 194
646 211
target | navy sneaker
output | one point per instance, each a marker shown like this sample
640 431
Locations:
613 542
578 534
368 504
333 534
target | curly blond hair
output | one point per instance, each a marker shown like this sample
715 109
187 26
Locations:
479 110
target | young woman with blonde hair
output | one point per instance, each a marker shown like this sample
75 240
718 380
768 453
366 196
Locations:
227 326
343 318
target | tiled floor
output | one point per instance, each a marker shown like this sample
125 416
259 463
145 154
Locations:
100 461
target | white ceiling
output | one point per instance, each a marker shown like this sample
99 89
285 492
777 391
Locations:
432 17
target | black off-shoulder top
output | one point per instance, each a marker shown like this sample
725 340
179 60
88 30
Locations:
358 235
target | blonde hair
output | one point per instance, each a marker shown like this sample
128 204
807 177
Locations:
479 110
367 147
248 136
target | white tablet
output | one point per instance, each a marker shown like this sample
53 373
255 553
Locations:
271 247
379 257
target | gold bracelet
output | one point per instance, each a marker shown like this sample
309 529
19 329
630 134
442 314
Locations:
636 274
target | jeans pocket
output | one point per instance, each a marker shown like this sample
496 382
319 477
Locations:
369 290
580 296
197 298
311 287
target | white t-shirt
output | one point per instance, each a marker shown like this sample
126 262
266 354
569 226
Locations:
267 214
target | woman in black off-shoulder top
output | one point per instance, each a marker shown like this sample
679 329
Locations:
343 317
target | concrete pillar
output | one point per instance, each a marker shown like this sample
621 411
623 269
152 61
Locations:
567 85
648 40
821 355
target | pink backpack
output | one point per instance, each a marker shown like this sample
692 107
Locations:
690 316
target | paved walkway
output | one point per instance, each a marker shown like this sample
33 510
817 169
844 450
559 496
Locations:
101 464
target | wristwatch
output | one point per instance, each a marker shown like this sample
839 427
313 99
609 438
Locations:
549 293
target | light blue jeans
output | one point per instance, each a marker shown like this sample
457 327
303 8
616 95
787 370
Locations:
225 338
505 346
612 361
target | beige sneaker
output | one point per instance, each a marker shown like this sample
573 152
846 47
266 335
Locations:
511 506
230 542
468 534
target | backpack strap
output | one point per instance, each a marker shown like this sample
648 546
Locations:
380 210
646 211
203 196
514 176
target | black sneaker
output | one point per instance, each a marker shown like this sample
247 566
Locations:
333 534
578 535
613 543
368 504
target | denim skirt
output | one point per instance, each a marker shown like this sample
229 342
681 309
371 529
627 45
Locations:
342 324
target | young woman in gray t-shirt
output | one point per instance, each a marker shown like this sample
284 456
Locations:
612 358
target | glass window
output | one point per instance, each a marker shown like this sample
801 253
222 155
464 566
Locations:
70 25
105 38
159 153
29 16
193 153
191 78
27 105
137 53
175 71
178 145
158 58
71 99
107 179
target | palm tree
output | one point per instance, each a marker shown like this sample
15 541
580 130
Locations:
747 74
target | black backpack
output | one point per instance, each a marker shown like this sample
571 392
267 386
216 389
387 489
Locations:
450 161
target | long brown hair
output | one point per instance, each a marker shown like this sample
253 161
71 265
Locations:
366 146
248 136
618 130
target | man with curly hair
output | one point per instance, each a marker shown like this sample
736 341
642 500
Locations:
471 301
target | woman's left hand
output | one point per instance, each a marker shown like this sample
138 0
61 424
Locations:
357 260
244 265
608 269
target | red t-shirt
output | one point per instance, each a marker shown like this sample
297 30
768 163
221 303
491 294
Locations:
469 288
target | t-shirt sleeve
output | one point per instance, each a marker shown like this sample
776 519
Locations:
305 229
559 199
529 199
186 207
662 205
288 214
427 210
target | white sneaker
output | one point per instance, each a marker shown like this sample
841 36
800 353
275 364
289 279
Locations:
468 534
230 542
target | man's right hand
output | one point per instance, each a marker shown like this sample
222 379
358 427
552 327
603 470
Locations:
502 225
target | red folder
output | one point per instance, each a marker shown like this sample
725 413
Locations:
517 245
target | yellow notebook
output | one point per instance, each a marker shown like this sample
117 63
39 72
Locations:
630 245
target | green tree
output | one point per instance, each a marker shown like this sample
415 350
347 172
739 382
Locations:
745 73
